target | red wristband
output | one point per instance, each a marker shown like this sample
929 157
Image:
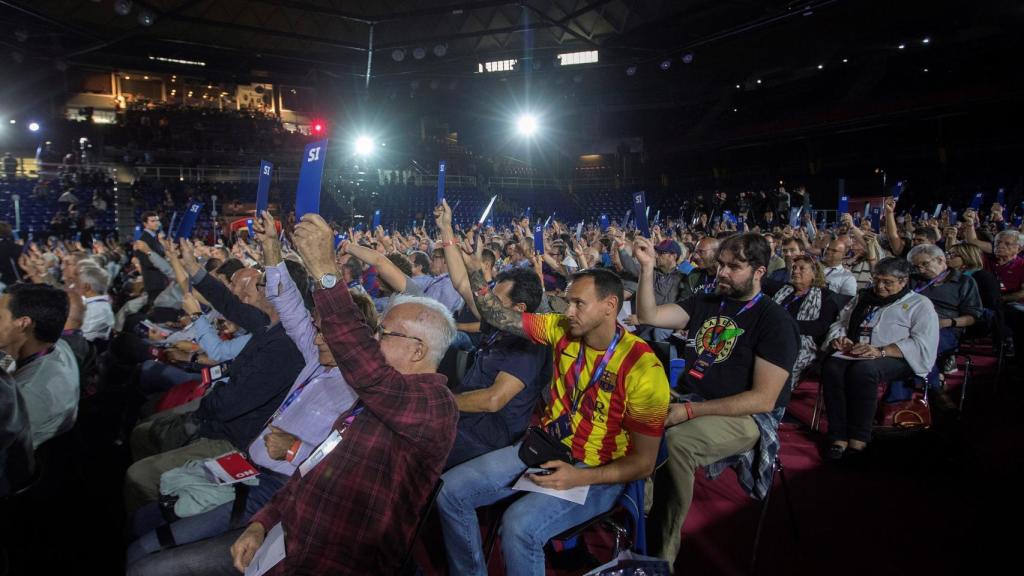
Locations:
290 454
689 411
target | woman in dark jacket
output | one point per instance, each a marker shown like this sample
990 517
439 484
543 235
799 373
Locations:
812 305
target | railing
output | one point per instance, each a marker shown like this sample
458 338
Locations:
249 174
525 182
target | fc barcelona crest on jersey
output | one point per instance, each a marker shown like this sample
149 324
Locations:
607 383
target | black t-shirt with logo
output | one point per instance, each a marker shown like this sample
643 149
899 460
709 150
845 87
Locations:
766 330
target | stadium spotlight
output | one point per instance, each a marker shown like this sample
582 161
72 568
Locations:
33 126
146 18
631 70
122 7
364 146
526 125
665 65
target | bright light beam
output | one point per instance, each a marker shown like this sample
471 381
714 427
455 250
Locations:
364 146
526 125
34 127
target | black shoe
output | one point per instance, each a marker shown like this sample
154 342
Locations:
835 452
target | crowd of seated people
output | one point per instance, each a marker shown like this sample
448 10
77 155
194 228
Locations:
321 368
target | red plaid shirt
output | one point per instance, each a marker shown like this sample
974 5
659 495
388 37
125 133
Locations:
355 513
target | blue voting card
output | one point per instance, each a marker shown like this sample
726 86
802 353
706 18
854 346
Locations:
188 221
604 222
977 200
640 214
897 190
248 224
138 232
538 239
938 210
844 205
1001 196
263 189
876 218
441 169
307 195
953 216
376 220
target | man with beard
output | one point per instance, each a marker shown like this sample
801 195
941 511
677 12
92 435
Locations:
744 346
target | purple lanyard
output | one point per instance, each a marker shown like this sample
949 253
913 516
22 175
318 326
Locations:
721 308
708 286
870 316
577 368
796 298
491 341
347 422
931 282
31 357
294 395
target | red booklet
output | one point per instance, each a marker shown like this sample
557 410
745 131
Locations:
230 468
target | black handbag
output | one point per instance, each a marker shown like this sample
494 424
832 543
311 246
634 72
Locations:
539 447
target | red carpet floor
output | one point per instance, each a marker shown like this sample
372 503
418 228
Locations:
934 502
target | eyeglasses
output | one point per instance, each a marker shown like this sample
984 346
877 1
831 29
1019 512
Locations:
887 283
952 255
381 332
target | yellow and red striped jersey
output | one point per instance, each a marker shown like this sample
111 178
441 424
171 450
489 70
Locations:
631 396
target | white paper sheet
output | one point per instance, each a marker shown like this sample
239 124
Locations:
270 553
626 312
577 495
845 357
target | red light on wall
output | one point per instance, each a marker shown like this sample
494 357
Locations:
318 127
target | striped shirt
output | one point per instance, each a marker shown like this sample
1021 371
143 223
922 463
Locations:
631 396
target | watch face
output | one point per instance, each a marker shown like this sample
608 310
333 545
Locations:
328 280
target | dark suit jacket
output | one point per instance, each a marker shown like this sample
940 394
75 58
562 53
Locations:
9 254
153 280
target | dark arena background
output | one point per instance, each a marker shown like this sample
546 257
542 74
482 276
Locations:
862 127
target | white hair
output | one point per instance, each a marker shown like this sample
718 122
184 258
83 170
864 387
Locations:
930 250
434 324
1008 234
96 278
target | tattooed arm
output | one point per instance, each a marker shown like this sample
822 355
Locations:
491 310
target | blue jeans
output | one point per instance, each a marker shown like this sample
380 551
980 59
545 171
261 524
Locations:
526 526
160 377
199 527
902 390
462 341
207 558
468 445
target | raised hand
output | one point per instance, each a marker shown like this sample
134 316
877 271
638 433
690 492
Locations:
644 253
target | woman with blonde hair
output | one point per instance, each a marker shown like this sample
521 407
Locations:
968 260
812 305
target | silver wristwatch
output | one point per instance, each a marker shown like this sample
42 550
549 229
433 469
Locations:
327 281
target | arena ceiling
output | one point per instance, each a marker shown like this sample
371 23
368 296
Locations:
719 66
